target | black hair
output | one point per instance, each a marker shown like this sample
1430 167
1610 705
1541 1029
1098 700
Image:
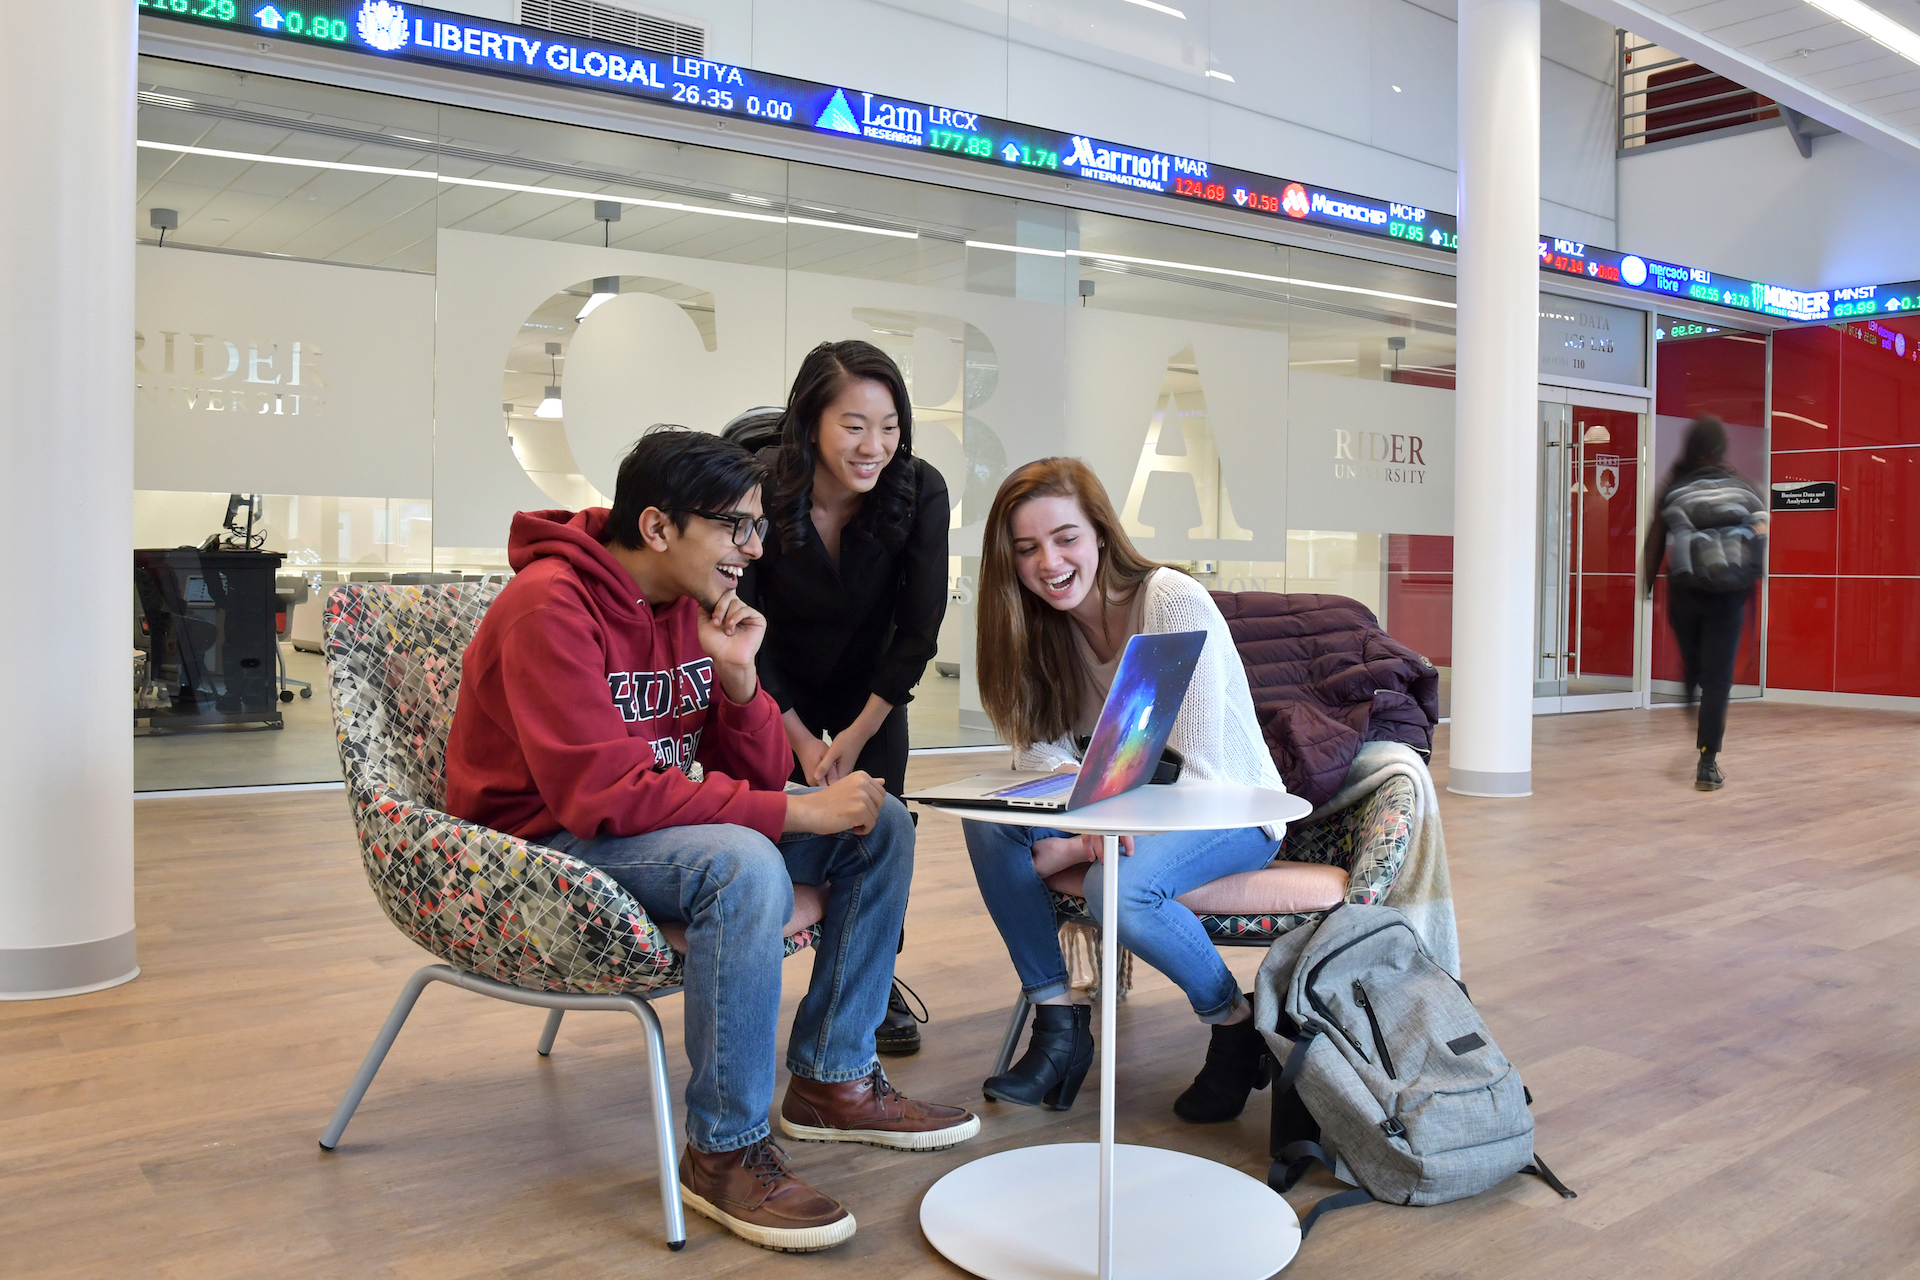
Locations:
1705 449
887 511
674 468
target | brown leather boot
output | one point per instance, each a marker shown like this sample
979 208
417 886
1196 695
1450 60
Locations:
871 1110
751 1192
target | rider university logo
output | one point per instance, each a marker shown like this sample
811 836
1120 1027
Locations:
383 25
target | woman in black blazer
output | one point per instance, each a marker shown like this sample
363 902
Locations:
853 581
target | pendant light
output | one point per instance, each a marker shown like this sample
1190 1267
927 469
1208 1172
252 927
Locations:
605 289
550 402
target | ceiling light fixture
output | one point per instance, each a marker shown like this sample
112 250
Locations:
1873 24
851 226
1159 8
1255 275
605 289
1098 257
1218 75
1016 248
602 202
550 402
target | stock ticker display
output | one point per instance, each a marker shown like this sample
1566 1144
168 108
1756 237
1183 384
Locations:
385 28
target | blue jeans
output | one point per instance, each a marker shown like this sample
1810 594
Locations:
734 889
1152 925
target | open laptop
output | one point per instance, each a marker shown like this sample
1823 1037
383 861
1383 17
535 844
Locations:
1134 725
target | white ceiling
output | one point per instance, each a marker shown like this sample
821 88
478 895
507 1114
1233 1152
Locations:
1795 54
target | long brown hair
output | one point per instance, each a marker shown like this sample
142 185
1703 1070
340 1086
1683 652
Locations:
1024 649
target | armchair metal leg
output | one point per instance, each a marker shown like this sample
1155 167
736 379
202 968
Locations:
1018 1023
551 1030
662 1121
377 1054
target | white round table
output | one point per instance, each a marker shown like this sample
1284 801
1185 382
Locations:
1038 1213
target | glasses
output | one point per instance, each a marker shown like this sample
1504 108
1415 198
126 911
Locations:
745 527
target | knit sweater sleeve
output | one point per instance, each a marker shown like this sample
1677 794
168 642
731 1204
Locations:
1216 732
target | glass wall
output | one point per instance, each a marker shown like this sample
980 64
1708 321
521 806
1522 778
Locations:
1845 541
479 313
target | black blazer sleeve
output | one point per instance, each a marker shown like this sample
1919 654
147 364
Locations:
922 602
750 595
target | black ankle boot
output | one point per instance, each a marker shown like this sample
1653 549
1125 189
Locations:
899 1032
1708 776
1237 1064
1059 1051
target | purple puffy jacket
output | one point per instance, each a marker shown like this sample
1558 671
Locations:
1325 678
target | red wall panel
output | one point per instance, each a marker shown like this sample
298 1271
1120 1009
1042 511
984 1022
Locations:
1879 515
1806 388
1800 633
1874 649
1804 541
1880 383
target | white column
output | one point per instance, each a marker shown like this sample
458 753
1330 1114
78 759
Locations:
1491 739
67 80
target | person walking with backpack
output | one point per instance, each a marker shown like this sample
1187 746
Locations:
1710 526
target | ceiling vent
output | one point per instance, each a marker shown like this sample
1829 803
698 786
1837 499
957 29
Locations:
617 24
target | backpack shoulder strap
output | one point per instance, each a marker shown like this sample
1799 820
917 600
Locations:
1539 1170
1339 1200
1292 1164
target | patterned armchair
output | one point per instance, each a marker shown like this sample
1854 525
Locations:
1367 841
1366 844
511 919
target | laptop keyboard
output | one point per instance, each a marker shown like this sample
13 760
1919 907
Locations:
1052 784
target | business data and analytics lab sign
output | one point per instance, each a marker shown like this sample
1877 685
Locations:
1807 495
1591 342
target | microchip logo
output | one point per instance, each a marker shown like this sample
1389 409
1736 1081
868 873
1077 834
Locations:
383 25
1293 201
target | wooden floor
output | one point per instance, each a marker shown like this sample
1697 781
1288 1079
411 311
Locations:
1711 996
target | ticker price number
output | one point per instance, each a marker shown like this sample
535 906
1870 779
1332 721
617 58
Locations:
966 144
1198 189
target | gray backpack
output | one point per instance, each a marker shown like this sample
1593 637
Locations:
1711 543
1416 1104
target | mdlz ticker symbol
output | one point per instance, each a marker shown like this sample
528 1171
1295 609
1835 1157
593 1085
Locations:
838 116
382 24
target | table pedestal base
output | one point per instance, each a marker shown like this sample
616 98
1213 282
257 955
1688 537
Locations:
1033 1214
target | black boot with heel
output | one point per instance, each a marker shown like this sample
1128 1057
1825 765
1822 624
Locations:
1059 1051
1237 1064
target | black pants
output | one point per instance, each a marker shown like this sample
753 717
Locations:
884 756
1708 625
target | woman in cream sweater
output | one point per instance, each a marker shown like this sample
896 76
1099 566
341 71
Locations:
1062 590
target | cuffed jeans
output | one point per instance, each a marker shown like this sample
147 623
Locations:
734 889
1152 925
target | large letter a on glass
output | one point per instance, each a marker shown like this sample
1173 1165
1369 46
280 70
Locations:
1180 420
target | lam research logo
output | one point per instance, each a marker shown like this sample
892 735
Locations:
382 25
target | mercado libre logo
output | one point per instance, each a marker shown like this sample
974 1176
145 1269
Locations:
382 25
1294 200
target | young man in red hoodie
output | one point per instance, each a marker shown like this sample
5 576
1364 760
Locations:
609 708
